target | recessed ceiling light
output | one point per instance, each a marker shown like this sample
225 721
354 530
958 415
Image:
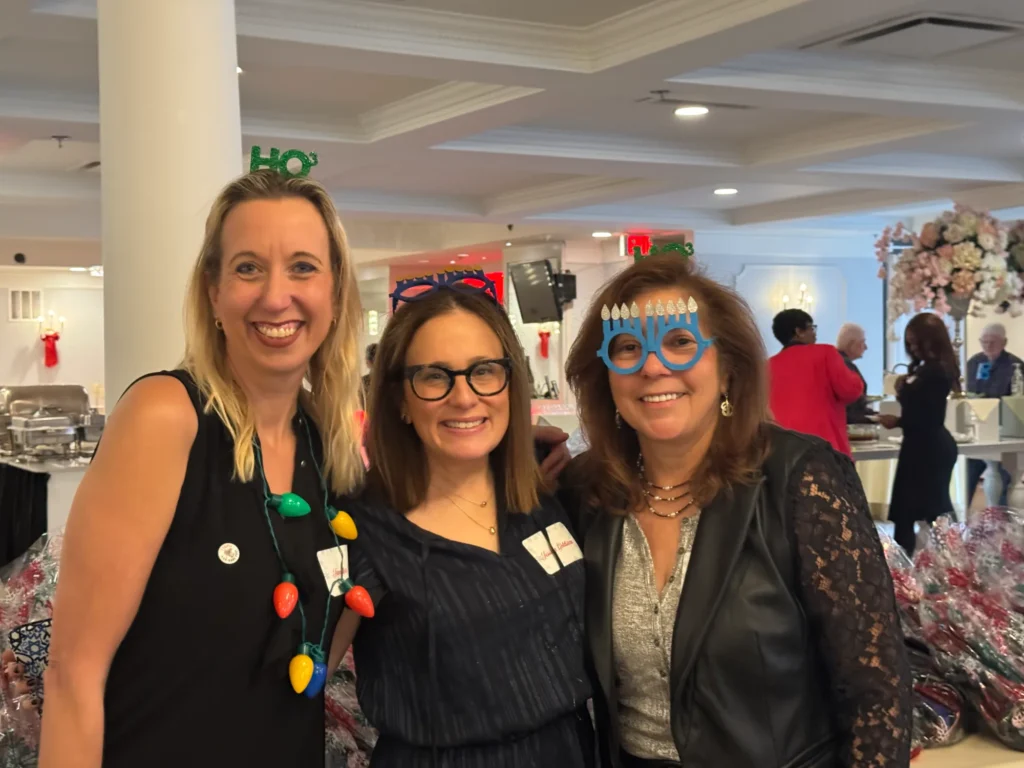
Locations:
602 235
452 261
726 191
79 269
463 255
239 70
691 110
424 261
508 244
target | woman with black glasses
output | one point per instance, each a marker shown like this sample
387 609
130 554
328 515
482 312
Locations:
475 654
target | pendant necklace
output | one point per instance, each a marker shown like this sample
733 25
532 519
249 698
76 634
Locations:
307 670
489 528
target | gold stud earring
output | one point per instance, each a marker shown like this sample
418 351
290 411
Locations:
726 406
218 324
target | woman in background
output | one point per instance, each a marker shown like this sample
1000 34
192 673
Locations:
920 490
740 611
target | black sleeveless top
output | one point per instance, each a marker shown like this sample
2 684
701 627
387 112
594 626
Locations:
201 677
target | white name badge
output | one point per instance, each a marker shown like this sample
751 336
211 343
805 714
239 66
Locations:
538 546
565 545
334 564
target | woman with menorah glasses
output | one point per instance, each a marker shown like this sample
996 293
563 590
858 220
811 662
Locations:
739 608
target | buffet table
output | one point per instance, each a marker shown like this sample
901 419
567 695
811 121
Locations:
877 479
34 498
973 752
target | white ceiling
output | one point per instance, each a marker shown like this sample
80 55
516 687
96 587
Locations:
570 13
439 122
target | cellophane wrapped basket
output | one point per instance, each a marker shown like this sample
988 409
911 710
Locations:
350 737
962 600
27 587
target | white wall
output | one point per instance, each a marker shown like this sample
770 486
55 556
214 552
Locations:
839 269
79 299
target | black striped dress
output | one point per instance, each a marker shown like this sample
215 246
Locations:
474 659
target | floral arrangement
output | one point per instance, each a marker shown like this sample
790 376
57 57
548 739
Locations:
959 257
1015 261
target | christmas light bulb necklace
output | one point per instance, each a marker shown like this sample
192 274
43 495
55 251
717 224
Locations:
307 670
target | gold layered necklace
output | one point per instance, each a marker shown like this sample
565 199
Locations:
649 489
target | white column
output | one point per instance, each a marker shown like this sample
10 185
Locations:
170 135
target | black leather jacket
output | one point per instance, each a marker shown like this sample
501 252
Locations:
750 686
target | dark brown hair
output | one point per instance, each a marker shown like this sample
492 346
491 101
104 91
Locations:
398 466
932 337
740 443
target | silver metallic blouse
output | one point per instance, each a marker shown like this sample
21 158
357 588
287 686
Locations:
642 626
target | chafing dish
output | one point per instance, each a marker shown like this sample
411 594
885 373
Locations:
46 420
863 433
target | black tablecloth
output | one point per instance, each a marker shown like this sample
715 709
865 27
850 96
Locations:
22 510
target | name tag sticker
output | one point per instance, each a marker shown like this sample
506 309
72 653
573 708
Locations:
537 546
334 564
565 545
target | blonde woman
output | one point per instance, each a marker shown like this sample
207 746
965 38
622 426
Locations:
167 650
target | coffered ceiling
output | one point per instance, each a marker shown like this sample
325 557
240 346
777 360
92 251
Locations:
459 117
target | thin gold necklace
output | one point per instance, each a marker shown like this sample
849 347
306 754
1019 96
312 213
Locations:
489 528
480 504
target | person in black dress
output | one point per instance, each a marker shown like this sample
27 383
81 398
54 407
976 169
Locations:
475 656
920 490
167 650
740 612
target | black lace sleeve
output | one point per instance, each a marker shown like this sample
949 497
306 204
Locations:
848 595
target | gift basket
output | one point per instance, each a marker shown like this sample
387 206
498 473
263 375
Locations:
961 603
350 738
27 587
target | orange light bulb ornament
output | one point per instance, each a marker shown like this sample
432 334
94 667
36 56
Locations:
286 596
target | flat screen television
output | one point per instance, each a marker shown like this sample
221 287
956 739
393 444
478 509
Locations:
536 291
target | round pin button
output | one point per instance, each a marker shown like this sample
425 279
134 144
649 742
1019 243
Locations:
228 554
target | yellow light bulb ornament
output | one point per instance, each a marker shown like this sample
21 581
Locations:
300 669
342 524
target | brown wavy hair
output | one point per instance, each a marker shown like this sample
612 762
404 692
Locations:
933 342
740 443
398 466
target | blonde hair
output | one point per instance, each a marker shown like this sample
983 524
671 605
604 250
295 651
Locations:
333 378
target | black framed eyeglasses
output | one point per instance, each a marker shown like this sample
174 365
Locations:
434 382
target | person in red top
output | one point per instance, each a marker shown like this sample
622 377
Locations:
810 384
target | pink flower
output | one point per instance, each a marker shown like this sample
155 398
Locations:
945 251
929 235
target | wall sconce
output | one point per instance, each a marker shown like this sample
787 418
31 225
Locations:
53 324
372 322
803 300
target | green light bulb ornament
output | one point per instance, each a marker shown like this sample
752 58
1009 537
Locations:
290 505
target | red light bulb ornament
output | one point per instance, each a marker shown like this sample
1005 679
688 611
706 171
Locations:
357 599
286 596
289 505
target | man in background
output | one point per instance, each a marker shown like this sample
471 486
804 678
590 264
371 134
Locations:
852 344
990 374
810 384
